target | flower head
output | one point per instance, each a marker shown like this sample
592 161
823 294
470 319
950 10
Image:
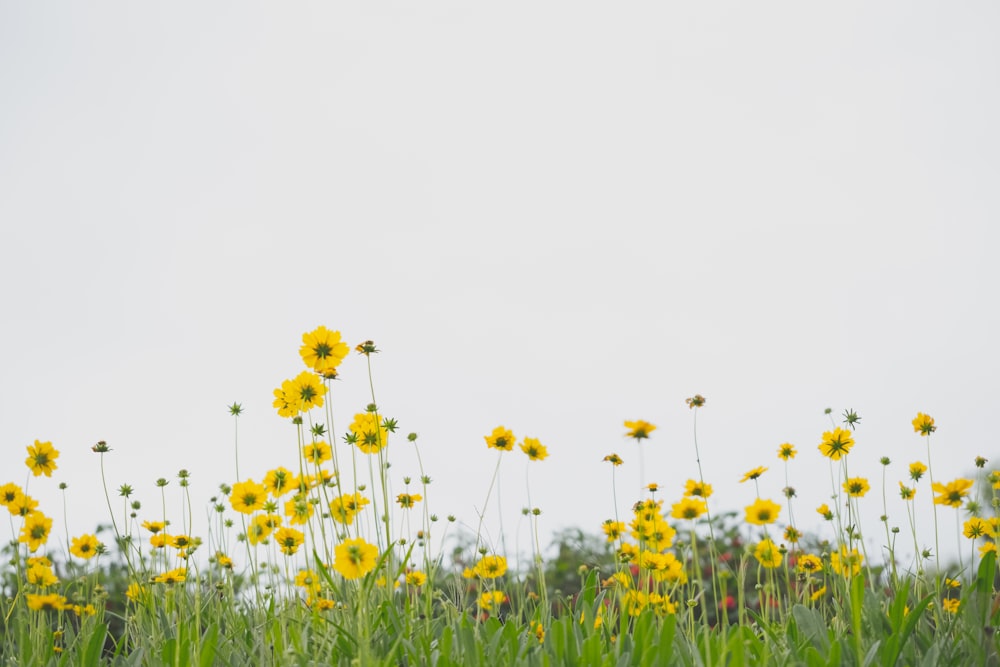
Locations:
906 492
836 443
248 497
976 527
952 493
767 554
289 540
846 563
699 489
923 424
355 558
753 474
416 579
535 450
41 458
762 512
825 512
856 487
322 349
614 459
408 500
35 531
85 546
49 602
695 401
688 508
809 563
917 470
490 601
639 429
501 438
787 452
491 567
368 433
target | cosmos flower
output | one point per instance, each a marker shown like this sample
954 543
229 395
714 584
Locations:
501 438
639 429
535 450
923 424
762 512
952 493
41 458
355 558
836 443
85 546
323 350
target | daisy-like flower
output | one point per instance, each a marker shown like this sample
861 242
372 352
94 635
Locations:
491 567
35 531
416 579
346 507
951 605
952 493
261 527
825 512
222 560
614 459
85 546
809 563
787 452
299 510
408 500
917 470
695 401
154 526
846 563
289 540
792 534
308 580
836 443
688 508
175 576
23 505
490 601
994 478
368 433
355 558
9 493
856 487
818 594
248 497
136 591
322 349
639 429
697 489
762 512
280 481
613 529
662 605
767 554
923 424
501 438
300 394
535 450
41 575
49 602
989 547
317 452
633 602
41 458
753 474
976 527
906 492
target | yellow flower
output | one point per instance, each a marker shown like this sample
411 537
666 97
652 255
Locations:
952 493
300 394
317 452
491 600
856 487
10 493
50 602
753 474
298 510
222 560
614 459
650 530
84 546
41 458
408 500
491 567
308 580
950 605
792 534
261 527
535 450
836 443
280 481
976 527
767 554
762 512
989 547
154 526
416 579
322 349
613 529
662 605
289 540
905 492
809 563
633 602
41 575
695 401
923 424
825 512
248 497
951 583
500 438
786 452
917 470
688 508
355 558
175 576
699 489
846 563
35 531
368 433
639 429
344 508
538 630
994 478
23 505
618 580
820 592
135 591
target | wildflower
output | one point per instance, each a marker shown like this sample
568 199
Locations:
792 534
35 531
49 602
154 526
653 532
762 512
836 443
976 527
981 462
786 452
952 493
819 593
298 510
222 560
322 349
856 487
366 348
688 508
135 591
661 604
988 547
847 564
950 605
613 459
825 512
160 540
9 493
633 602
699 489
308 580
695 401
248 497
22 506
416 579
809 563
500 438
906 492
753 474
355 558
490 601
627 553
320 604
535 450
84 546
951 583
408 500
917 470
175 576
618 580
180 541
41 575
289 540
639 429
84 610
368 433
344 508
767 554
491 567
923 424
41 458
538 630
653 487
317 452
261 527
279 481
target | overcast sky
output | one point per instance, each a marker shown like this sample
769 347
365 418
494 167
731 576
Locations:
554 216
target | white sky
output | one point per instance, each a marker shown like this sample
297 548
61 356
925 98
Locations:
551 216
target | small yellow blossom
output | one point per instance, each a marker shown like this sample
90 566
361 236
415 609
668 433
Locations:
639 429
923 424
753 474
786 452
41 458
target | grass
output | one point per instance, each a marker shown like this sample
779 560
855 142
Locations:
319 563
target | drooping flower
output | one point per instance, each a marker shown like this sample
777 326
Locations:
248 497
501 438
825 512
836 443
856 487
355 558
322 349
695 401
762 512
753 474
952 493
535 450
786 452
639 429
923 424
41 458
767 554
85 546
